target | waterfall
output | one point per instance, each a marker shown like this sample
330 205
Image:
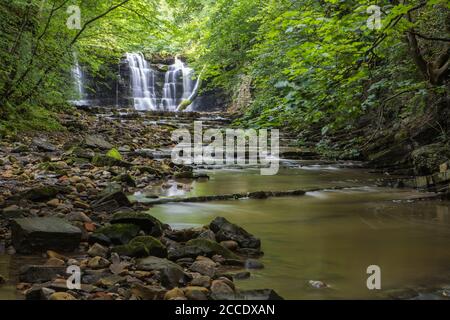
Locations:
142 82
78 77
178 84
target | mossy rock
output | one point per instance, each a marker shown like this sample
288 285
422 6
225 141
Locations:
211 248
427 159
184 175
42 193
146 222
127 179
120 233
142 246
115 154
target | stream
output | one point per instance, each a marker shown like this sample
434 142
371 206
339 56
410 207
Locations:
331 236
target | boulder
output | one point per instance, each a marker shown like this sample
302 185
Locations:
172 275
97 142
210 248
149 224
226 230
175 293
42 193
220 287
118 233
100 160
43 145
155 263
61 296
142 246
40 274
41 234
204 267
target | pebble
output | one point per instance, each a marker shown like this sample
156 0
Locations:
98 250
61 296
175 293
98 263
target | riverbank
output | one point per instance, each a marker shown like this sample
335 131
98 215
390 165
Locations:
84 177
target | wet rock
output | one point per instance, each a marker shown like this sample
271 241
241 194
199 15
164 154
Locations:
39 274
61 296
253 264
119 233
98 263
317 284
78 216
225 230
211 248
230 245
258 195
204 267
41 234
149 224
98 250
175 293
100 160
43 145
115 196
142 246
220 287
99 238
126 179
172 275
38 292
249 252
97 142
242 275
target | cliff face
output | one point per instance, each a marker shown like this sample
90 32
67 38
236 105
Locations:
111 86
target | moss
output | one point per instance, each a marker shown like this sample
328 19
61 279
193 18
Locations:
115 154
145 221
120 233
209 246
142 246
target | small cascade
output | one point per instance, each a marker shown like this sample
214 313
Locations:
178 84
142 82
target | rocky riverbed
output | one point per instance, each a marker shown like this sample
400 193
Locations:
64 198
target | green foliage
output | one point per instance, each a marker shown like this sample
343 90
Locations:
115 154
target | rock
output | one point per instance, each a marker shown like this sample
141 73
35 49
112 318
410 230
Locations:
99 238
249 252
149 224
107 161
110 281
141 247
98 263
56 255
258 195
183 235
155 263
38 292
98 250
78 216
42 193
53 203
43 145
2 280
148 292
201 281
61 296
428 158
55 262
317 284
174 294
40 234
117 196
259 294
207 234
173 277
211 248
39 274
253 264
242 275
126 179
204 267
225 230
221 288
230 245
196 293
444 167
118 233
185 252
12 212
97 142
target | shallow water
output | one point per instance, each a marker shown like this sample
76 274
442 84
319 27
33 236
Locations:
331 236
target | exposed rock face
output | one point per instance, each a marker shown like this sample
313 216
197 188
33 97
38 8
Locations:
226 230
41 234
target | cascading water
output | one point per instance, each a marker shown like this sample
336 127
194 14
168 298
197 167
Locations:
142 82
178 84
78 76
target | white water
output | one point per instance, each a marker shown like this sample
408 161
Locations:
142 82
178 84
78 77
